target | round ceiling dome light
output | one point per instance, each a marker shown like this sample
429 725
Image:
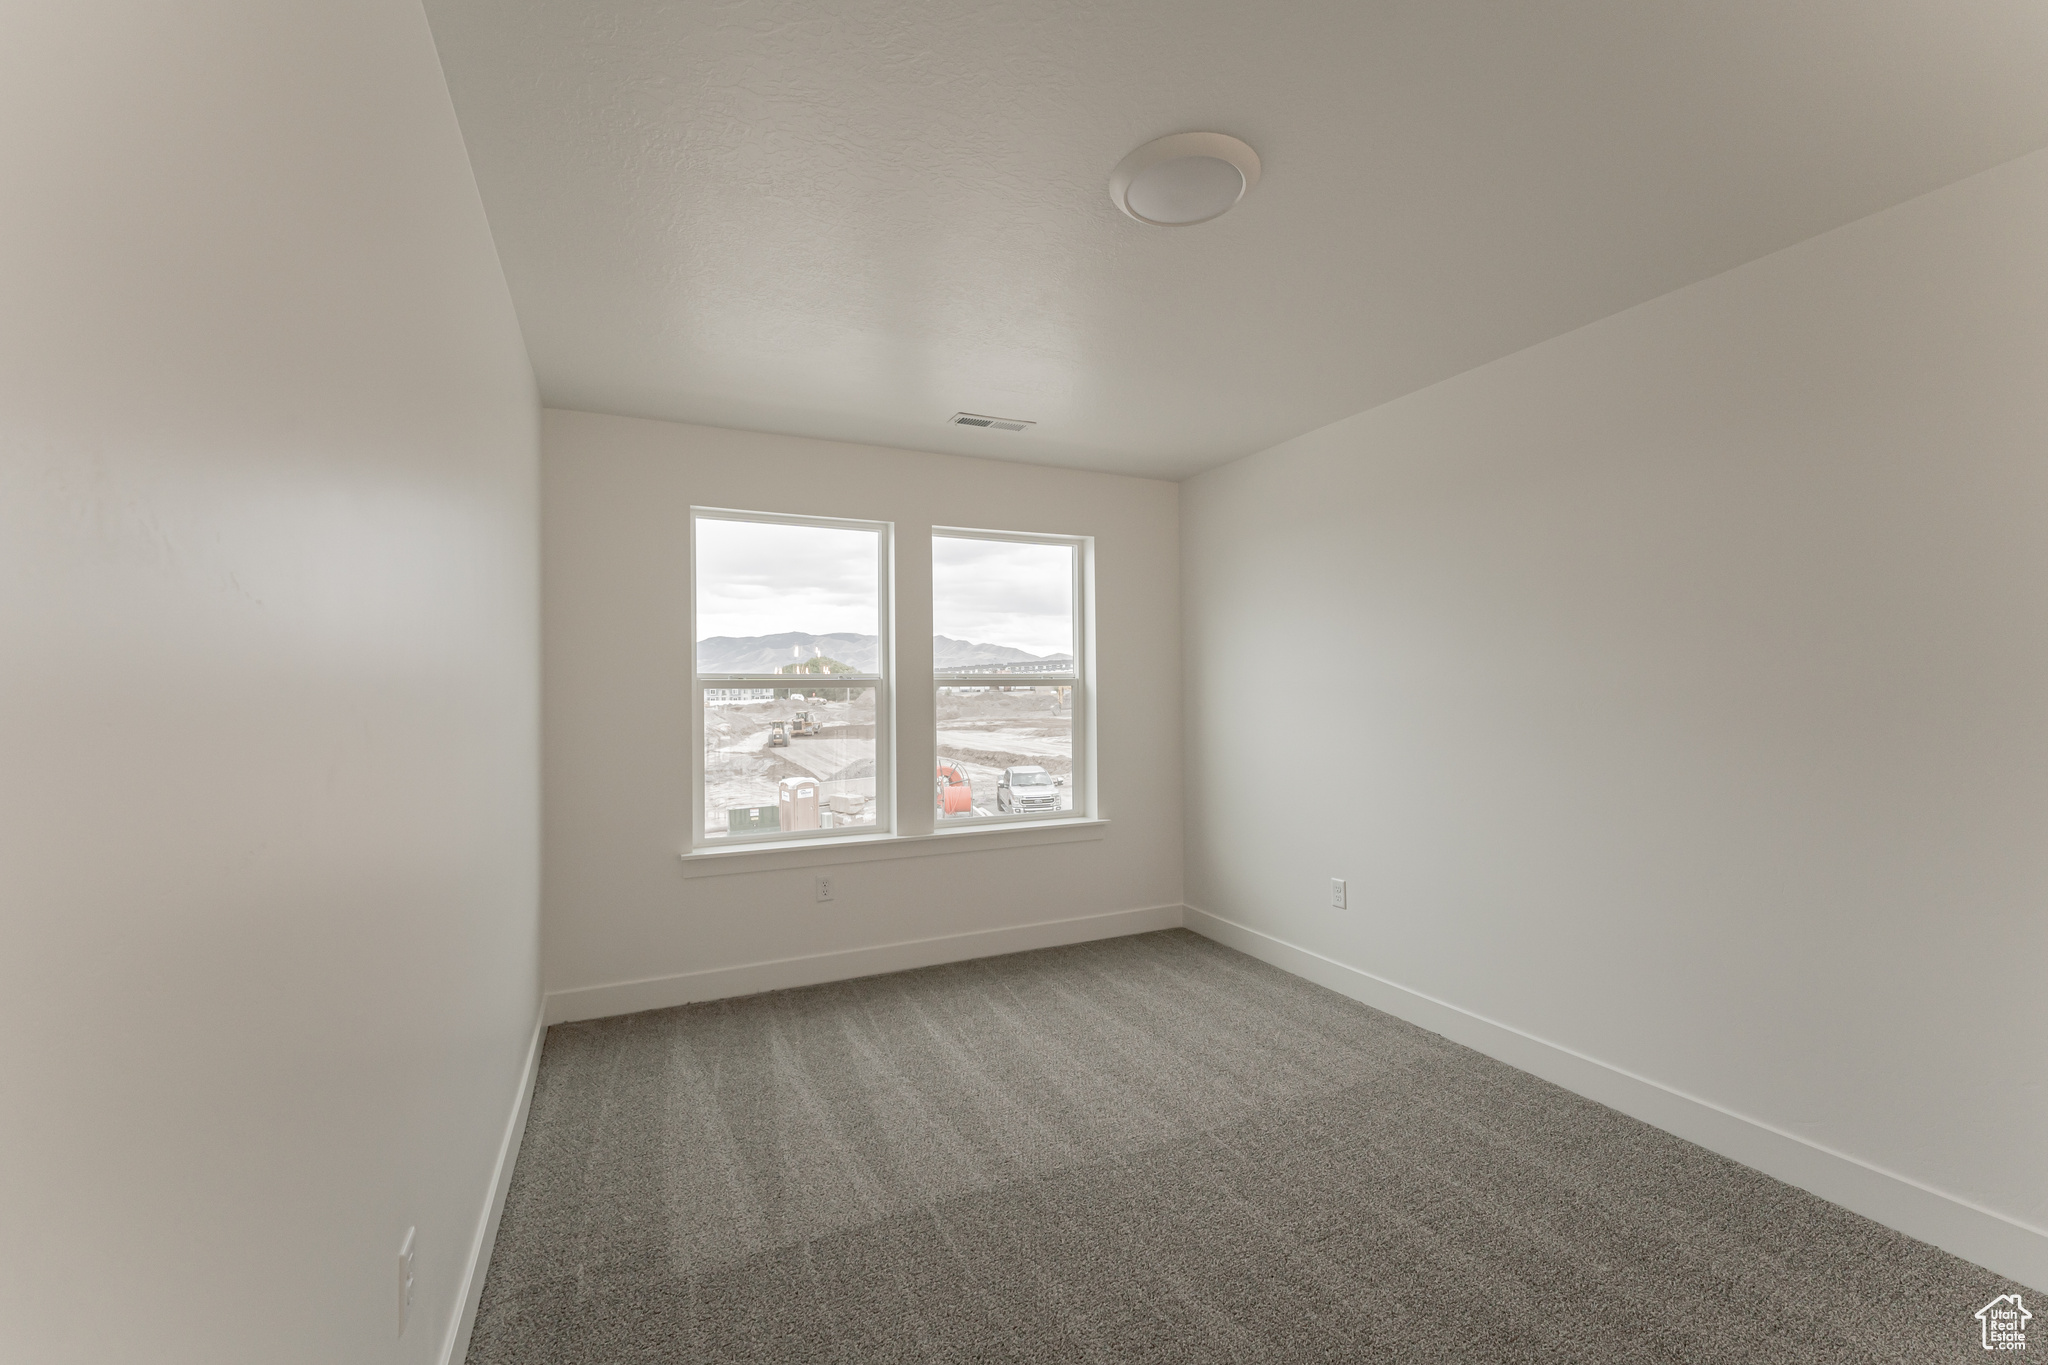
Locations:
1184 179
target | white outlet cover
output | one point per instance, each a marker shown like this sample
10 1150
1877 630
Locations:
1336 893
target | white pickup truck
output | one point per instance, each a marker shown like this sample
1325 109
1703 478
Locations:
1022 790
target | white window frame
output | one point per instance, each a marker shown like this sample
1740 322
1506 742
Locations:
885 699
1081 781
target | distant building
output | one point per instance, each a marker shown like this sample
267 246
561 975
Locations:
1057 665
720 696
1039 666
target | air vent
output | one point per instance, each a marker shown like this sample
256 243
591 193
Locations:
975 419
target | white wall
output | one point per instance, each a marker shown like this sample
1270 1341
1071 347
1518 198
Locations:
1685 696
616 499
268 689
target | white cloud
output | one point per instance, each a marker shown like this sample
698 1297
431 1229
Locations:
1004 593
765 578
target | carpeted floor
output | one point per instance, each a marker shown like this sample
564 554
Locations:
1147 1149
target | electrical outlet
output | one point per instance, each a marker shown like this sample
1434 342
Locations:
1336 893
405 1279
824 888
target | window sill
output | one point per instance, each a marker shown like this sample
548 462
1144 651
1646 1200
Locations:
724 862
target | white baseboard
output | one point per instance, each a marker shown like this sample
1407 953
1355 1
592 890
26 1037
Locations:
751 978
1977 1234
456 1346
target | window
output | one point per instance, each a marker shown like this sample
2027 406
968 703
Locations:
790 620
1008 670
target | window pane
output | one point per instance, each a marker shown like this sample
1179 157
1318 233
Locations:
999 602
1004 751
772 596
798 761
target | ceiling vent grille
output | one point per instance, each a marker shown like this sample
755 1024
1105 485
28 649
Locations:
975 419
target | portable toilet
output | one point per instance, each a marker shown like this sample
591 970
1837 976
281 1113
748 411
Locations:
797 802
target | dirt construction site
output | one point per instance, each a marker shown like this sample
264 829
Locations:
981 733
986 732
743 766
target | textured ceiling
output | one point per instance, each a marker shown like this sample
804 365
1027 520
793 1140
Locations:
851 218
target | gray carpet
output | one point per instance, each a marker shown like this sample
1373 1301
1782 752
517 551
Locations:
1147 1149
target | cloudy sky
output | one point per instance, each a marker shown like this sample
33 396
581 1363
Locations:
761 578
998 593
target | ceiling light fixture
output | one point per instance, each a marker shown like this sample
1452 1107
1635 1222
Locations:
1184 179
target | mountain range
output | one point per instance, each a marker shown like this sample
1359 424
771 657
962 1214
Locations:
768 653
